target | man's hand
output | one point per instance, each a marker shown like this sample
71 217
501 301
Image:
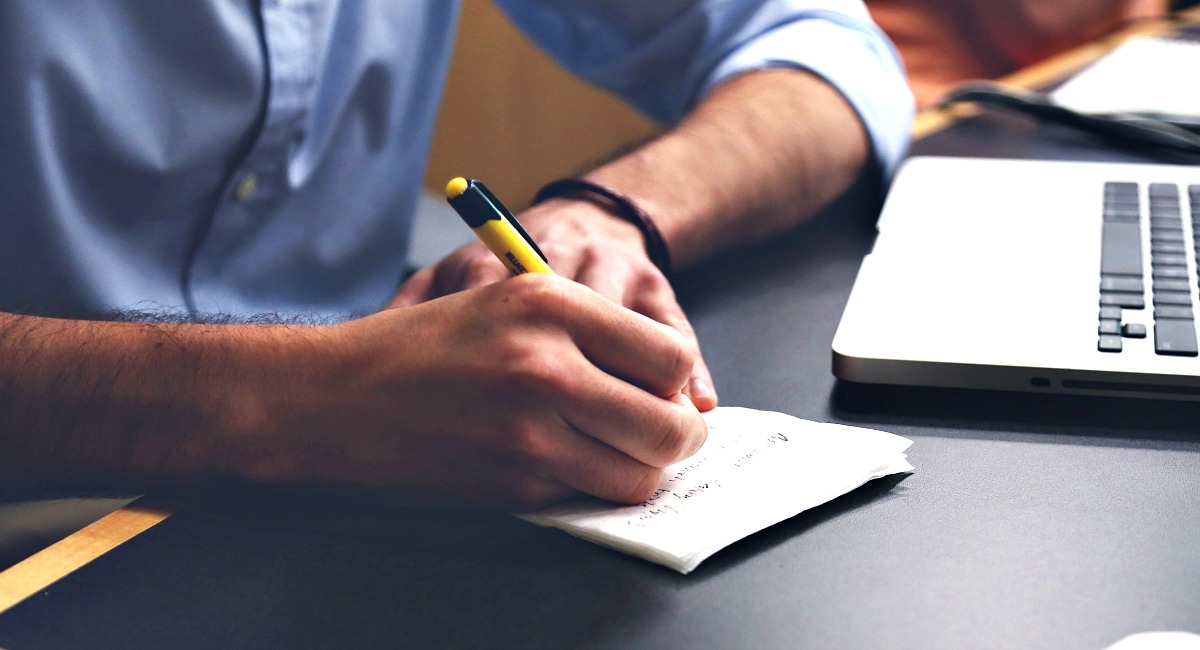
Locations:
762 152
519 394
516 394
584 243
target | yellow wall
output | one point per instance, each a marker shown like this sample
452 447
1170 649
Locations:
514 119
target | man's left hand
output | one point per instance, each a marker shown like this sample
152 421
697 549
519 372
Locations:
585 243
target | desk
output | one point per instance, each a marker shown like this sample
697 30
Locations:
1029 522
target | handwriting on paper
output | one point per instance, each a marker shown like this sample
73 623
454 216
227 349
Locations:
756 469
723 454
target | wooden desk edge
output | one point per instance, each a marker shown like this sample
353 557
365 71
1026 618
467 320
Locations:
43 569
49 565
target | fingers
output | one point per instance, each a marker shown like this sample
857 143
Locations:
417 289
660 304
654 431
539 381
622 342
647 292
613 279
577 457
470 266
585 465
614 383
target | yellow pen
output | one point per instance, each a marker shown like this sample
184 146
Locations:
496 227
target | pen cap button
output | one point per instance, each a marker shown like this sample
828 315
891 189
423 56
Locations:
456 187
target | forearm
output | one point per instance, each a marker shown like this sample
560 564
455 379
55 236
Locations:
762 152
101 405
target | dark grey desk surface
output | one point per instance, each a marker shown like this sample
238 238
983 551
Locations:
1029 522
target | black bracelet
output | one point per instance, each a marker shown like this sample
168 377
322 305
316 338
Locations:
619 205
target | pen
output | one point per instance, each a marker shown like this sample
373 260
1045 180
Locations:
496 227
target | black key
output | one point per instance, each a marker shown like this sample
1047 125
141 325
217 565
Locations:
1163 259
1173 312
1172 298
1122 283
1160 190
1109 343
1133 331
1109 327
1110 312
1126 300
1120 212
1165 272
1171 285
1175 337
1164 248
1166 236
1121 249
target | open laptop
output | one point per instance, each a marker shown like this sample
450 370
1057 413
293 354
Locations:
1047 276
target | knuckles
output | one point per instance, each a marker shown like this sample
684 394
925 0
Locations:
682 360
674 443
534 368
527 444
478 270
538 296
642 488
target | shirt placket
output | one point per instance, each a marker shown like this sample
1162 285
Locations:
260 181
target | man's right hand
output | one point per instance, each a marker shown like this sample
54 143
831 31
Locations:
516 394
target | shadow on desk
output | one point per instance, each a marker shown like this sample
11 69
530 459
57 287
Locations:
452 535
236 558
1094 417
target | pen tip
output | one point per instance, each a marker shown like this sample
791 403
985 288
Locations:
455 187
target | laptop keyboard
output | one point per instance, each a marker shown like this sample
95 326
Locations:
1122 279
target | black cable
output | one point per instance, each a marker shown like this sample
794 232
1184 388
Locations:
1175 133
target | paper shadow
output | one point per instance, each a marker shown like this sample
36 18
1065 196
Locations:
887 487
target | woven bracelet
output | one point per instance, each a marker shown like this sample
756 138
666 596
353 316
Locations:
619 205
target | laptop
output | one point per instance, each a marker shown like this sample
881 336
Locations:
1024 275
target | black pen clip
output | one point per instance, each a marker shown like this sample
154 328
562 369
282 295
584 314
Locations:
487 194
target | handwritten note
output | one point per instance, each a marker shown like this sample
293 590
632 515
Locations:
756 469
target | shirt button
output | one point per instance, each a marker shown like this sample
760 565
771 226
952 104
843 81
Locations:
246 187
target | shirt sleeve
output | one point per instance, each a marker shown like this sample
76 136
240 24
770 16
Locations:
663 56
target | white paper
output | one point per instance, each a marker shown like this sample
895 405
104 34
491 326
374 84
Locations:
1141 75
756 469
1158 641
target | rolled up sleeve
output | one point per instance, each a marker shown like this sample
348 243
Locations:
666 55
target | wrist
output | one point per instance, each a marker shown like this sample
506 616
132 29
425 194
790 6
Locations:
280 375
616 204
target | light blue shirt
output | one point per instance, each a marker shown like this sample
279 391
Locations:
244 156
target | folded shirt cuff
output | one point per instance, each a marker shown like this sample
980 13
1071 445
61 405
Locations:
855 58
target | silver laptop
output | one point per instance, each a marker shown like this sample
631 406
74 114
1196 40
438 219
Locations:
1046 276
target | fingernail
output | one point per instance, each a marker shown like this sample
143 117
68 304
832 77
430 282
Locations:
703 395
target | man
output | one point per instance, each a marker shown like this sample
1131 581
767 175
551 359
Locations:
242 158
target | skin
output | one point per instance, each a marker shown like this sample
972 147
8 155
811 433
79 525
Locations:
514 393
538 374
783 144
